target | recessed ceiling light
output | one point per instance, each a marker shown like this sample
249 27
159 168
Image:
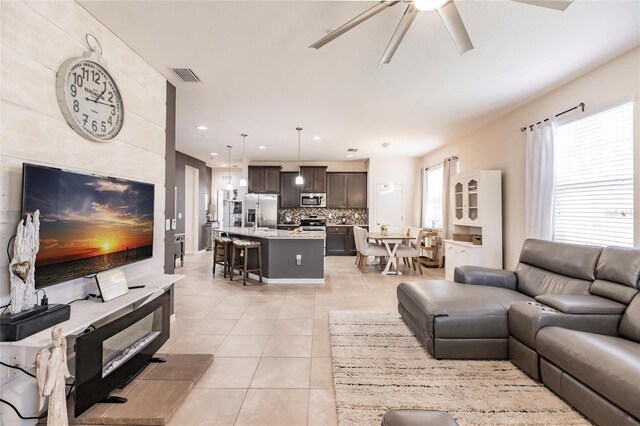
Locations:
201 127
316 138
262 147
223 165
349 155
214 154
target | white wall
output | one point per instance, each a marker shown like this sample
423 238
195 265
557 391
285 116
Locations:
501 145
404 171
36 38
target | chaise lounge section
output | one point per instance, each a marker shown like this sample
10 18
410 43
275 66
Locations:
468 319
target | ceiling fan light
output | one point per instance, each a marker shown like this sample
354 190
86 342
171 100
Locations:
243 182
426 5
299 180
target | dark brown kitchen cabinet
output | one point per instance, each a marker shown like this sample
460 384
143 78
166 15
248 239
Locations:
336 190
314 179
289 191
357 190
347 190
337 240
264 179
340 241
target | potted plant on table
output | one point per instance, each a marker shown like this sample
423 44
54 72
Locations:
384 227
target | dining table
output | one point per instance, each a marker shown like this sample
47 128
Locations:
391 241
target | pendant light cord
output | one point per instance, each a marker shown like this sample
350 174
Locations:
229 165
299 129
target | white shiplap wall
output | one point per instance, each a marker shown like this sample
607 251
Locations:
36 37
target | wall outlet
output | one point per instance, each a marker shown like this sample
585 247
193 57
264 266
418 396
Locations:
298 259
173 224
9 373
179 215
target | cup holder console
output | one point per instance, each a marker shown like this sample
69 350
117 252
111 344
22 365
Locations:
542 307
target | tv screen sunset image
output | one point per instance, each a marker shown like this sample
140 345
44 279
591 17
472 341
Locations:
87 223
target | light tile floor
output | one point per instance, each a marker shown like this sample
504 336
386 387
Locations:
272 361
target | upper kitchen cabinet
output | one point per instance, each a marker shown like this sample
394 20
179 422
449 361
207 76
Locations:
347 190
264 179
314 179
289 191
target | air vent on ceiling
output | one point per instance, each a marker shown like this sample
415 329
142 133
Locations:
352 150
187 75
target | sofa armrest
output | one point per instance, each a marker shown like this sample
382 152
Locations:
582 304
527 318
485 276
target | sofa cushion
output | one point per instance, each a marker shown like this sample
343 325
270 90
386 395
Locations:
446 309
534 281
608 365
630 324
580 304
619 265
572 260
614 291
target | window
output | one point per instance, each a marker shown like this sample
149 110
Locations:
594 179
432 208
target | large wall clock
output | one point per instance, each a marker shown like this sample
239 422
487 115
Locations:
88 95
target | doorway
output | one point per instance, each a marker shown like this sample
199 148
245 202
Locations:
191 209
389 207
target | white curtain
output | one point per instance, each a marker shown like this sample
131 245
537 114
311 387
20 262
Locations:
540 179
450 168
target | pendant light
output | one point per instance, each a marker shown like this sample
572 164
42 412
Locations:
229 186
243 181
388 186
299 180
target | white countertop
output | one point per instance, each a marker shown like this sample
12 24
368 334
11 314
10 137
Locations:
275 234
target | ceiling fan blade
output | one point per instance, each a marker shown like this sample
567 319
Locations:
410 14
551 4
354 22
452 20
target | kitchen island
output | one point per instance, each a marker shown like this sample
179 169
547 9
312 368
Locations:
287 257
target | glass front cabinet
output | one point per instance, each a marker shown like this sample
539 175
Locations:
466 207
476 198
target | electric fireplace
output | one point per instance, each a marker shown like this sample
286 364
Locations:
113 354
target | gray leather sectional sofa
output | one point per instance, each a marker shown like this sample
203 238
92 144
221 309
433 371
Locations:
568 315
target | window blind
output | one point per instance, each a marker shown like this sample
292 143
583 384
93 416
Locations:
594 179
433 198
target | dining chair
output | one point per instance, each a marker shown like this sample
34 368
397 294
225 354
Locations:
366 249
357 243
412 249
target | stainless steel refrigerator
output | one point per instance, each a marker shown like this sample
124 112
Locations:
263 208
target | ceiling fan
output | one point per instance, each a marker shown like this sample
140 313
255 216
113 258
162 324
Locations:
446 9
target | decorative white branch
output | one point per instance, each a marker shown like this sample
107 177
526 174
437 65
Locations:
22 266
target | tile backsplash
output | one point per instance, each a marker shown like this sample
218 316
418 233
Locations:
354 216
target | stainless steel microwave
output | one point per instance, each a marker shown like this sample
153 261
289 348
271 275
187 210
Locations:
313 200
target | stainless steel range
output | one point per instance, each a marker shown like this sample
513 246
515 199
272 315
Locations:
313 223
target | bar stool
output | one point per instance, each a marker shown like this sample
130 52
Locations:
244 247
221 252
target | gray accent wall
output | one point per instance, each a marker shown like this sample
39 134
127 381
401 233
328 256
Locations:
183 160
170 179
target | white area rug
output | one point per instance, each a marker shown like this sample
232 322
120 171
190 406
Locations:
378 365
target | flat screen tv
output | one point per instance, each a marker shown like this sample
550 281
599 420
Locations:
88 223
